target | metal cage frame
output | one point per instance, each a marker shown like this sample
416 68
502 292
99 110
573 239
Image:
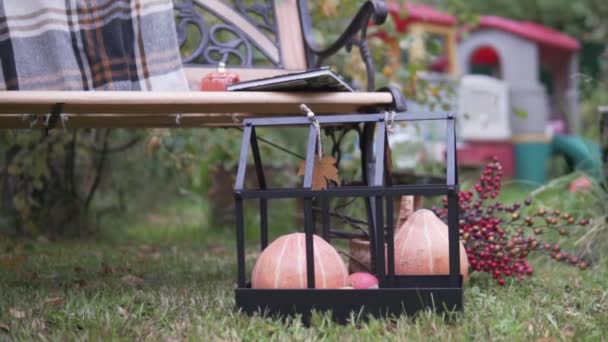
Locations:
396 294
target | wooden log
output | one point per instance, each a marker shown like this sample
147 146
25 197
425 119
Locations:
134 103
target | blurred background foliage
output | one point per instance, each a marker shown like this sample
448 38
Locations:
67 183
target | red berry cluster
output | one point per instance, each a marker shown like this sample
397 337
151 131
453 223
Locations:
493 234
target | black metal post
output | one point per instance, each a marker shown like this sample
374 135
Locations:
238 206
308 218
242 166
453 213
325 217
378 200
390 225
451 170
259 170
366 147
390 240
240 241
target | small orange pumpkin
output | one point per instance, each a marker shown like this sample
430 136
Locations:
421 247
282 265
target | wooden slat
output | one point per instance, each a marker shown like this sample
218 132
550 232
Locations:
134 103
290 35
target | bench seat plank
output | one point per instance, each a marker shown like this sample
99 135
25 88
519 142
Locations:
158 109
117 102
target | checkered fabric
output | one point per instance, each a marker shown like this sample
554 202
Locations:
89 45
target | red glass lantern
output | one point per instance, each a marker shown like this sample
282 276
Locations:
219 80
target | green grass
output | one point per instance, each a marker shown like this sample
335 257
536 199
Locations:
184 291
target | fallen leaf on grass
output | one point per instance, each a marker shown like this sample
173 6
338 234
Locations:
16 313
140 257
146 248
80 283
123 312
38 324
4 327
105 269
391 327
179 326
31 275
53 301
155 256
132 280
10 261
218 250
569 331
324 170
78 269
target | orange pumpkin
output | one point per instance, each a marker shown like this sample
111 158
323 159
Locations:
421 246
282 265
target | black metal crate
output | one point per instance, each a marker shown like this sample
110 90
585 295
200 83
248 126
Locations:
397 294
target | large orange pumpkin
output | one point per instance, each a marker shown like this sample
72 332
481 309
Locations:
282 265
421 246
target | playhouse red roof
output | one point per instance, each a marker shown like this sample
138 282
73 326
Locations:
532 31
411 12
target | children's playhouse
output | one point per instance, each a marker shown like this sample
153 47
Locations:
517 89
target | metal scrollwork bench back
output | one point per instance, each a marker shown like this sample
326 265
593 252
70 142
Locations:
263 38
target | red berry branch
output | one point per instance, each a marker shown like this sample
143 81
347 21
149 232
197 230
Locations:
497 238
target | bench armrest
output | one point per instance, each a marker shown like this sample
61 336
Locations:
371 9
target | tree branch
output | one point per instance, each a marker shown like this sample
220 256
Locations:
119 148
102 159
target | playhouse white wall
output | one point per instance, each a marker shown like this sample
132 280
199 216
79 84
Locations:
483 108
519 64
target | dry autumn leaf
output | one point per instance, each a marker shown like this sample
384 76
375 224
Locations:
38 324
16 313
155 256
106 269
131 280
324 170
53 301
80 283
218 250
124 313
31 275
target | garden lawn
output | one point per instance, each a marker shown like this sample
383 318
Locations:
167 278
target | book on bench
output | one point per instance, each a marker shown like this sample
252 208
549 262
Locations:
315 80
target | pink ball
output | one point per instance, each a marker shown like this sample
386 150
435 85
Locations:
363 280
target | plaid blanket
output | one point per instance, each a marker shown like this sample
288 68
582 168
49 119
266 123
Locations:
89 45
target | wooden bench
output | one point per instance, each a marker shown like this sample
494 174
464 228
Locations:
269 38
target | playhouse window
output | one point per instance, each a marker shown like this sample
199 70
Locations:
485 61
